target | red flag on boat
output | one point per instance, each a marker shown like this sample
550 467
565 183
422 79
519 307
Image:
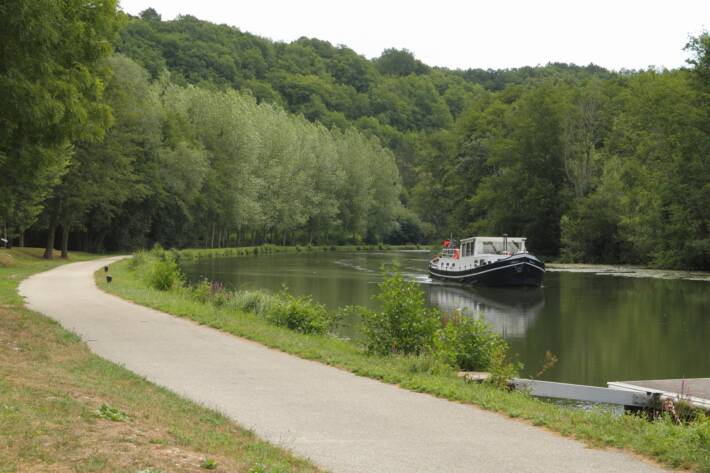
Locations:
446 243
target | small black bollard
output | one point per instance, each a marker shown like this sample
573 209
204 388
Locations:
108 279
105 269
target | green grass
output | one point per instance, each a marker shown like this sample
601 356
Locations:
63 408
677 446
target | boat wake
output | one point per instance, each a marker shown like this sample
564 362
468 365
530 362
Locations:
356 267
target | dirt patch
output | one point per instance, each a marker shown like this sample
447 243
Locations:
6 258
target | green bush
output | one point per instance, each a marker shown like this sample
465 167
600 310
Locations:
258 302
404 324
138 260
201 291
210 291
502 370
466 343
300 314
164 273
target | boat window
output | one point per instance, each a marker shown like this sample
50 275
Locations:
491 248
515 246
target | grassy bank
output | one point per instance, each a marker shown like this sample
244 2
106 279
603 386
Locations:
681 446
270 249
64 409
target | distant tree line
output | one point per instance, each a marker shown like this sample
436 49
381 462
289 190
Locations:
598 170
189 133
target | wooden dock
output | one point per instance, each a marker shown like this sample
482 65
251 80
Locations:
695 391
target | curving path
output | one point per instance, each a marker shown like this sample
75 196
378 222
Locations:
342 422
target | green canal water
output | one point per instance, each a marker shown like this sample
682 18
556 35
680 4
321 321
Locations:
602 328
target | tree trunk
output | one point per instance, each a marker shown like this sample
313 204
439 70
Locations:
49 249
21 243
65 241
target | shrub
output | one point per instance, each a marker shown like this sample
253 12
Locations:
158 251
404 324
466 343
164 274
300 314
137 260
258 302
201 291
210 291
502 370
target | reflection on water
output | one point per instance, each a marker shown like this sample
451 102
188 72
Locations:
510 311
602 328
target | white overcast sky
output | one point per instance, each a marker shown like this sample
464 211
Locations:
631 34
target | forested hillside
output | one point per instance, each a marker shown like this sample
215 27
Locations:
201 134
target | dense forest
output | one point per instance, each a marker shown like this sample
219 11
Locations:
119 132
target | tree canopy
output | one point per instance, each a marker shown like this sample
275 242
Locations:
185 132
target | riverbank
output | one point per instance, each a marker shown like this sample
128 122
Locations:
193 253
677 446
63 408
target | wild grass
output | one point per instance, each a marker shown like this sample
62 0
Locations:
63 408
679 446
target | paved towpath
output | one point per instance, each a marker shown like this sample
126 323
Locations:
342 422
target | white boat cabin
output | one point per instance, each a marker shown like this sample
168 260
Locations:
478 251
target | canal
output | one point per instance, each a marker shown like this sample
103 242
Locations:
602 328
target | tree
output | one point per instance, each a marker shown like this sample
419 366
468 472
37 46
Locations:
101 175
50 93
399 62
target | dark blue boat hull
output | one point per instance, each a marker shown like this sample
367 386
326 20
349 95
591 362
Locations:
513 271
